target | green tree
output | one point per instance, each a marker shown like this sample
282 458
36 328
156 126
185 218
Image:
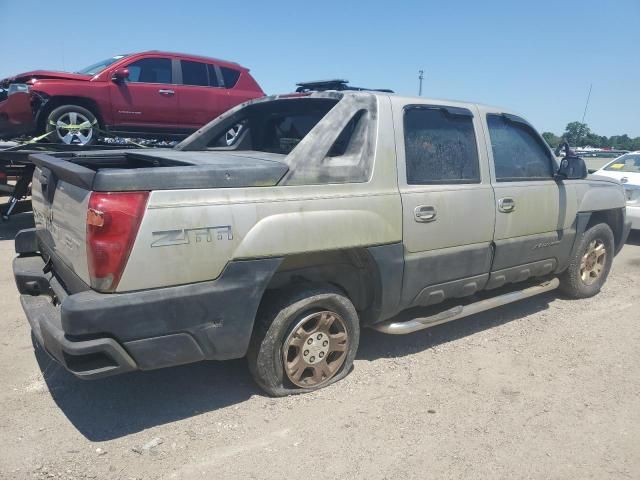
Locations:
575 133
551 138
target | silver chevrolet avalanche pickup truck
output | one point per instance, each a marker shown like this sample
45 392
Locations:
326 213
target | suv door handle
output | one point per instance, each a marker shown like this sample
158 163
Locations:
167 92
506 205
424 213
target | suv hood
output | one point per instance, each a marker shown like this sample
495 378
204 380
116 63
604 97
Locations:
43 74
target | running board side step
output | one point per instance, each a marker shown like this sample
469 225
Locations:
460 311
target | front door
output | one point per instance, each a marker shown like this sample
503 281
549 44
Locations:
533 218
447 201
148 99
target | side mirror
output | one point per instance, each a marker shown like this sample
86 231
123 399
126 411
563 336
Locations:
120 75
572 168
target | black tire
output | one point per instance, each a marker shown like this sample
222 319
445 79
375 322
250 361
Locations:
278 316
62 113
571 281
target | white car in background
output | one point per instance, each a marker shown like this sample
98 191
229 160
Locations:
626 169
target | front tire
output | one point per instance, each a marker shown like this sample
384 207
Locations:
72 125
590 264
303 340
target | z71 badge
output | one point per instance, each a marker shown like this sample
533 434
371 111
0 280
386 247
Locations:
185 236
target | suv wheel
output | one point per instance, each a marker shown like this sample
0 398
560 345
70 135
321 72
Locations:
304 340
590 264
72 125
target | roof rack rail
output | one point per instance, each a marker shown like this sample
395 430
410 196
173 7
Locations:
335 84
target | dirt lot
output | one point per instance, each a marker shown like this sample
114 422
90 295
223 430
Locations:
546 388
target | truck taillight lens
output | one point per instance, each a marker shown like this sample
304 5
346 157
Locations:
113 219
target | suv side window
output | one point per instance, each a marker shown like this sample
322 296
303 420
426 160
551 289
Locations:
440 146
230 76
213 76
150 70
519 153
194 73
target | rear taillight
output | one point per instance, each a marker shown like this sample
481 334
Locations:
3 177
113 219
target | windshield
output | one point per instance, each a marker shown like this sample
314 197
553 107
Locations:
98 67
625 163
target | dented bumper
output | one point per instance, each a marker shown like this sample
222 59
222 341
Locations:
17 116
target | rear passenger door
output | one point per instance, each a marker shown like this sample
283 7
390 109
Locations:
201 95
447 201
533 227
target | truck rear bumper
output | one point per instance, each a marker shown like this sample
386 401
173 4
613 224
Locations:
95 335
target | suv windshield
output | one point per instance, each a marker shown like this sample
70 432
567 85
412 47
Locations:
98 67
625 163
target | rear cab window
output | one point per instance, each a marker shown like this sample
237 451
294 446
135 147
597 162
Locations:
519 153
230 76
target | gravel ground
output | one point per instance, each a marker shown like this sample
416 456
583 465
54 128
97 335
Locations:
545 388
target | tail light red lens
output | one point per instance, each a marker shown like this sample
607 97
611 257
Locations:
113 219
3 177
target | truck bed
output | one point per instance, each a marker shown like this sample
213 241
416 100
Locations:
163 169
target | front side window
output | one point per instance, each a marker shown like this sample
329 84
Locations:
440 146
518 152
150 70
194 73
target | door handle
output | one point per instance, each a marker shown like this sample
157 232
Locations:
506 205
424 213
167 92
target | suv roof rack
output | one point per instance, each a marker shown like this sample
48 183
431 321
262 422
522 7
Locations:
335 84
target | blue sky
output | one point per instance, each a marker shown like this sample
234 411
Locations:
536 57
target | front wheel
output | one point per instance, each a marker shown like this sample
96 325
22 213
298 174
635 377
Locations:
72 125
590 264
304 340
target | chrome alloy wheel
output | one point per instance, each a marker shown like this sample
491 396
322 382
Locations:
232 134
73 128
315 349
593 262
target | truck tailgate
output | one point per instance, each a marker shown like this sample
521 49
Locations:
60 213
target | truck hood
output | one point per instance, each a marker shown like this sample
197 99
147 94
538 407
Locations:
43 74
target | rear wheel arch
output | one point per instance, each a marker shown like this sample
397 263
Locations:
352 271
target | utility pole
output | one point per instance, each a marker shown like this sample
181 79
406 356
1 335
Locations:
587 104
420 78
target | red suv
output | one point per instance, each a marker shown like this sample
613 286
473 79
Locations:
149 94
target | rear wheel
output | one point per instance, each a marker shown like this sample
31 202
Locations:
72 125
304 340
590 264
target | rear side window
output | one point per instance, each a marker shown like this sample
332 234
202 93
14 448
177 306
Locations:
230 76
518 152
150 70
194 73
440 146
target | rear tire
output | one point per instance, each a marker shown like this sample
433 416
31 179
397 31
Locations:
304 340
82 126
590 264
